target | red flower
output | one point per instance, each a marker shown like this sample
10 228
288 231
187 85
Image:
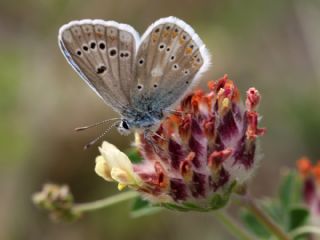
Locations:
203 149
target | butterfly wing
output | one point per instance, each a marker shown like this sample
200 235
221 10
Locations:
103 54
170 59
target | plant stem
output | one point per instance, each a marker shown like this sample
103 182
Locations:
304 230
106 202
232 226
252 206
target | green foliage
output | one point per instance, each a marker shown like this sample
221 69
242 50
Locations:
297 217
289 192
143 207
218 200
254 225
287 210
134 155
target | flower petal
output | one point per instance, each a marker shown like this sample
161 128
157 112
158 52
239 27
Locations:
114 157
103 169
114 165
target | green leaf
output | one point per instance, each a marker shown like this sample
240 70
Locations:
219 201
275 210
143 207
176 207
195 207
289 192
254 225
297 217
134 155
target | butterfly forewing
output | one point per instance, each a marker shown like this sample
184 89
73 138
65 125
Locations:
169 60
140 79
103 53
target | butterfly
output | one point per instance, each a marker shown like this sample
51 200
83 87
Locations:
140 78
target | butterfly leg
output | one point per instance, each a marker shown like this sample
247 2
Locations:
174 112
148 136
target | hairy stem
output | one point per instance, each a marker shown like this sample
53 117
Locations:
106 202
232 226
263 218
305 230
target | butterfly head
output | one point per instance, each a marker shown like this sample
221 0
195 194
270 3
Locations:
124 127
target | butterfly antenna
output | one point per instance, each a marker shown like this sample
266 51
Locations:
99 137
78 129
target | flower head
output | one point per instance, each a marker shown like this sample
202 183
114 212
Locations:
57 200
311 186
199 153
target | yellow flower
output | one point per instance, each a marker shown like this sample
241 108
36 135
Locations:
114 165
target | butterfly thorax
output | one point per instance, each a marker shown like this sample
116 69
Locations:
142 120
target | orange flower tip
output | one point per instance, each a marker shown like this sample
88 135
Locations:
225 76
211 85
217 157
186 170
161 175
253 130
185 167
304 166
221 83
316 172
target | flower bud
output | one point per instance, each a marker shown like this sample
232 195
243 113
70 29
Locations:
57 200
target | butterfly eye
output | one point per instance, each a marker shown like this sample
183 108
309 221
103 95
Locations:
125 125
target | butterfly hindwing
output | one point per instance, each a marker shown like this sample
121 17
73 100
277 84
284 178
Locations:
170 58
103 54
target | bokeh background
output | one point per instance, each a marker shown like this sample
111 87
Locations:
272 45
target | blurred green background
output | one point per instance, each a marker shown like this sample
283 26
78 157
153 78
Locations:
272 45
